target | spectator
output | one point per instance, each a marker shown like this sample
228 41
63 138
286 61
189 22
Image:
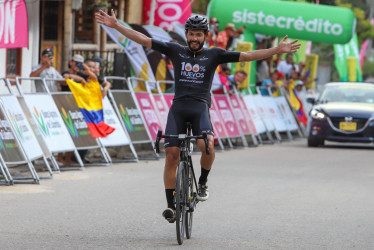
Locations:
263 70
46 70
275 61
299 86
237 80
232 43
223 74
95 65
224 36
213 29
285 66
81 73
269 83
75 72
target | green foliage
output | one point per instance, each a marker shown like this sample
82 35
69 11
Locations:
368 70
200 6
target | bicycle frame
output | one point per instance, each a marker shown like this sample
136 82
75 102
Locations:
185 196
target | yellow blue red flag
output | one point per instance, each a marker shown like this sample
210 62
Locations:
89 101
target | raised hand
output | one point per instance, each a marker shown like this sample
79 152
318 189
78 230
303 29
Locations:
288 47
104 18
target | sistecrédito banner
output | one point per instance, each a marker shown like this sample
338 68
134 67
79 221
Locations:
317 23
342 52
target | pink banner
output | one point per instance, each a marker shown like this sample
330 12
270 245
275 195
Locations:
13 24
169 99
239 114
222 104
163 110
247 115
217 122
166 12
149 112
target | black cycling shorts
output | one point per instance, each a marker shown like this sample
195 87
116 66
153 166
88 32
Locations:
181 112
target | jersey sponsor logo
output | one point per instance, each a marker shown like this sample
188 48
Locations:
190 71
183 56
203 58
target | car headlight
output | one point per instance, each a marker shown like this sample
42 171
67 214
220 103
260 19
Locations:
316 114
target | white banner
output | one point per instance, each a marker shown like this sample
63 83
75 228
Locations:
287 112
252 108
135 53
157 33
274 113
51 126
118 137
263 111
22 127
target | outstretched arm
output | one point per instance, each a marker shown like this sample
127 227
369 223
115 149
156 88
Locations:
283 47
111 22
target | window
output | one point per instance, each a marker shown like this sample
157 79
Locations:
13 62
84 28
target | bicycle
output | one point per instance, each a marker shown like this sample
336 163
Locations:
185 197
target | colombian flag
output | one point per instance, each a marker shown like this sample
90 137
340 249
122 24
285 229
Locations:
89 100
296 103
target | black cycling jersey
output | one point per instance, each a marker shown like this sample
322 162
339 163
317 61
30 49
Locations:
194 71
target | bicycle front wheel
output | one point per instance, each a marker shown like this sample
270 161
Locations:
190 192
180 202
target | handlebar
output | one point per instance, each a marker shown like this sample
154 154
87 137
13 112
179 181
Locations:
181 137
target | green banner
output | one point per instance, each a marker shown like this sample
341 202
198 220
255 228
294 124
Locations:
317 23
344 51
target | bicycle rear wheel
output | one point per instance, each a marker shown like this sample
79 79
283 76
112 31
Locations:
190 192
180 200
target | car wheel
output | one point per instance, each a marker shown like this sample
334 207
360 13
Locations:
315 142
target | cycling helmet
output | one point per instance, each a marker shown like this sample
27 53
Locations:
197 23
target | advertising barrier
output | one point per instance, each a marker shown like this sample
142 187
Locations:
49 122
129 113
146 105
223 106
256 118
74 120
12 152
23 130
285 109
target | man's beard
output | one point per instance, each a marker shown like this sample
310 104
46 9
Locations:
199 48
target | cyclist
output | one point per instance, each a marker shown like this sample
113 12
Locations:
194 67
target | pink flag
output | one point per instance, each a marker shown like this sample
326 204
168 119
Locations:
364 46
166 12
13 24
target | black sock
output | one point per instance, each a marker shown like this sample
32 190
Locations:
204 176
170 198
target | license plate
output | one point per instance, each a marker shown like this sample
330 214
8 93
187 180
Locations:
348 126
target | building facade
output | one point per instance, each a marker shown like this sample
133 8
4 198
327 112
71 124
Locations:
66 27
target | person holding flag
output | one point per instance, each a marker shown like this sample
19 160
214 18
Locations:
194 68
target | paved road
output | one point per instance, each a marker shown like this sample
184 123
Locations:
282 196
